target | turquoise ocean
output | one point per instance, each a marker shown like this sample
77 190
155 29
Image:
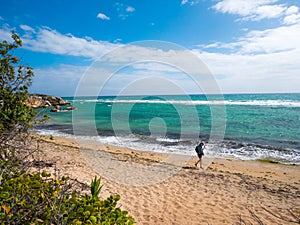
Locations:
242 126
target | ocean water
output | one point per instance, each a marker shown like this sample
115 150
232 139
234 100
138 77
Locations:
243 126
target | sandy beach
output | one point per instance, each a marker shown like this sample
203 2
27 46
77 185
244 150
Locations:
226 192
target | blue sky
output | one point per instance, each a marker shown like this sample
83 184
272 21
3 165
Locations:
247 45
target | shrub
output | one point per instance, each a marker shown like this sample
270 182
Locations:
89 209
15 79
35 198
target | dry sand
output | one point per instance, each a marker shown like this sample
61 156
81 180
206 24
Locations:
158 192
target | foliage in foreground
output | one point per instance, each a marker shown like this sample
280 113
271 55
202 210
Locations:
37 198
15 79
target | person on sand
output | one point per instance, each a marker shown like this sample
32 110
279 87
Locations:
199 149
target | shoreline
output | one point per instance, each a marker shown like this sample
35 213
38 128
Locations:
187 150
226 190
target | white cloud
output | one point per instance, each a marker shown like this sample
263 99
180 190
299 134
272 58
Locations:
103 16
195 2
130 9
263 73
26 28
53 80
45 39
283 38
183 2
148 59
292 10
292 19
261 61
292 15
124 11
136 79
269 11
256 10
251 10
5 33
154 66
240 7
118 40
236 72
143 84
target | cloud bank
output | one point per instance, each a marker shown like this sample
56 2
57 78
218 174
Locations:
264 60
256 10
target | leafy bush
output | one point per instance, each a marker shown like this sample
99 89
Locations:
26 197
35 198
89 209
15 79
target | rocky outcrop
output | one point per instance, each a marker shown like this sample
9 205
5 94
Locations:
58 108
47 101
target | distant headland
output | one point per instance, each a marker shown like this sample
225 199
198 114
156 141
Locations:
47 101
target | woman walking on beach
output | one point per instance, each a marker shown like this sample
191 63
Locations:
199 149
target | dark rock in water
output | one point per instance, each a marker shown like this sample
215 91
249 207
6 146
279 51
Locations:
46 101
69 108
58 108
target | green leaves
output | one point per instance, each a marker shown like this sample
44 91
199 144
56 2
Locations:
27 198
89 209
95 187
23 194
15 79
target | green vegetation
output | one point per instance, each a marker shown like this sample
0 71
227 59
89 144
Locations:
28 197
35 198
15 80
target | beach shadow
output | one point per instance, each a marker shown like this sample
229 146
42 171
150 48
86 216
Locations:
190 168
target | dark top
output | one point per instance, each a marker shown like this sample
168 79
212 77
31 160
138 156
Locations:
199 150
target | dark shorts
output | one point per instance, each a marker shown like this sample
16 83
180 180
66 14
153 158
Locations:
200 154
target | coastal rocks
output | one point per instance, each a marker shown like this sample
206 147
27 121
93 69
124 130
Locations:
47 101
58 108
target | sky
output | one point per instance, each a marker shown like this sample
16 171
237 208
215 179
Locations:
111 47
